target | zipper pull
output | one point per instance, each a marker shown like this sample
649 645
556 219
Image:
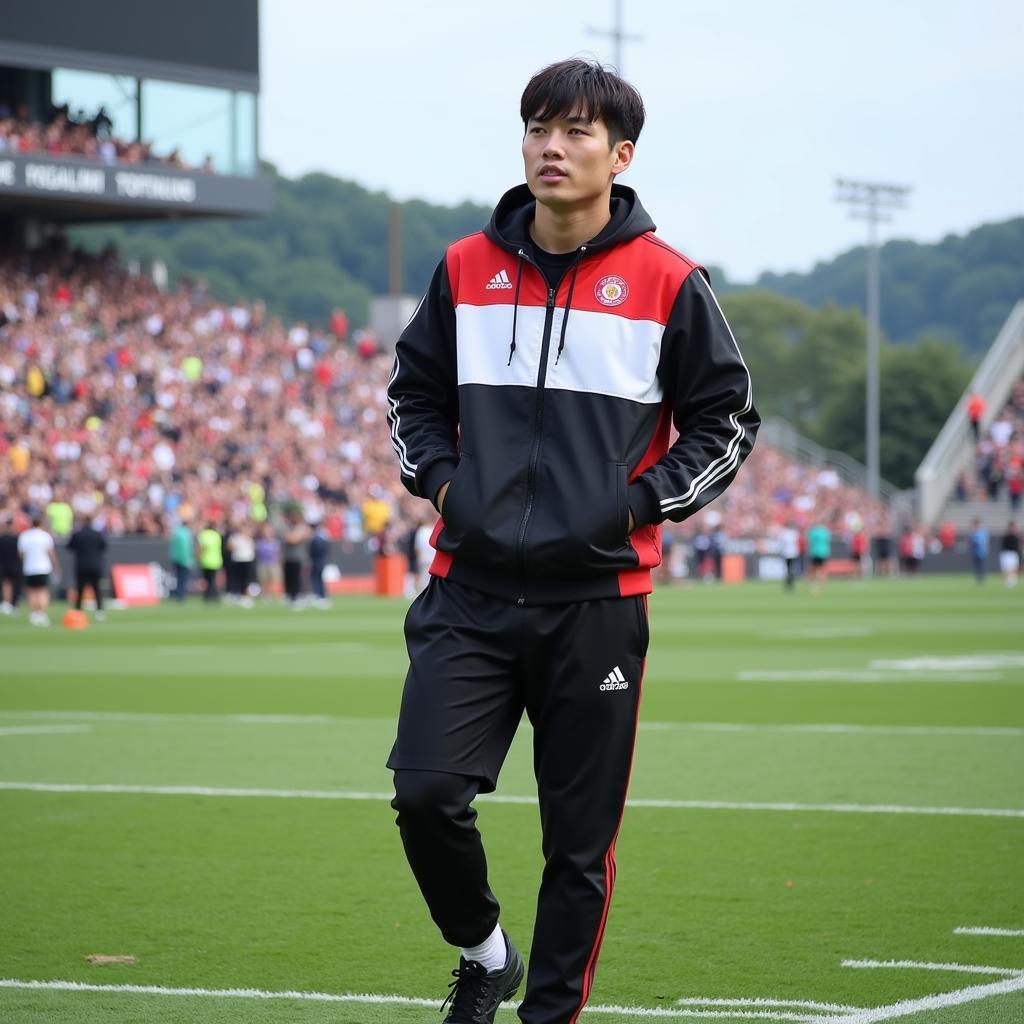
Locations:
551 298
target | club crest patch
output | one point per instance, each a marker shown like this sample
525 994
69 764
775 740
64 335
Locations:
611 291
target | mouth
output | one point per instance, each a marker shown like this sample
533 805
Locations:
551 172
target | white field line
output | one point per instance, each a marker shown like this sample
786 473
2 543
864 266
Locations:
331 794
41 730
779 1004
864 675
381 1000
837 728
925 965
952 663
910 1007
818 632
139 716
1013 933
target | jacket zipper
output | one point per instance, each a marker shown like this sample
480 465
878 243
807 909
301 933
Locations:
538 419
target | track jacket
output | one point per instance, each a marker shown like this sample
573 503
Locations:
550 409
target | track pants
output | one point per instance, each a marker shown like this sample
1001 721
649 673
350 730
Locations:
476 663
88 578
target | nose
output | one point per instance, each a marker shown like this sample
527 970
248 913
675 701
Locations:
553 147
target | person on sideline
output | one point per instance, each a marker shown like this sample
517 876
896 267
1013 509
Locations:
89 546
10 564
531 402
294 539
978 542
183 559
789 548
1009 555
211 560
819 551
38 563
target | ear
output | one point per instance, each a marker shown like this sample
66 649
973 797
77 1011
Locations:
623 156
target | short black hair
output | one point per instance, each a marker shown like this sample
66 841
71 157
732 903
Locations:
582 87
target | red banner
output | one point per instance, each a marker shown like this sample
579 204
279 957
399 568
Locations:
134 584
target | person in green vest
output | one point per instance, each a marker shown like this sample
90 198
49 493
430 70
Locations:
60 517
211 559
183 559
819 551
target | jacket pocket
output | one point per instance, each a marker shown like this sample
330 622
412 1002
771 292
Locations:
621 499
580 521
450 508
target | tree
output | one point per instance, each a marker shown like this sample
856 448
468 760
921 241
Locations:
919 385
796 354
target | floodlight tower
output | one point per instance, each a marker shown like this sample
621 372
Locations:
871 201
616 34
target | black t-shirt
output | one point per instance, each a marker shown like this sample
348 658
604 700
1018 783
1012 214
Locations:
553 265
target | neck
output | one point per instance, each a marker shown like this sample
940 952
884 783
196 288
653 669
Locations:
561 231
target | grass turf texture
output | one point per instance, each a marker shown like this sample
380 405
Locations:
297 894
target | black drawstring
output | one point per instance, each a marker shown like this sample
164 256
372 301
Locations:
515 305
568 302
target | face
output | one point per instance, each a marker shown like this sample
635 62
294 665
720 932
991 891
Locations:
569 162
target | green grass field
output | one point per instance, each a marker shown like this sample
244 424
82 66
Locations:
823 785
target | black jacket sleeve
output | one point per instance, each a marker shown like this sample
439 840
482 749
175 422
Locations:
707 382
423 393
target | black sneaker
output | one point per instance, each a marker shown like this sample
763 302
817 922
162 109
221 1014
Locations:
475 994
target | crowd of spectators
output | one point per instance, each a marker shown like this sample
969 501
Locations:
998 470
142 408
79 135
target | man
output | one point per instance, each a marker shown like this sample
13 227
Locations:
819 551
10 563
88 546
531 402
789 548
211 560
183 558
978 541
1009 555
38 562
294 538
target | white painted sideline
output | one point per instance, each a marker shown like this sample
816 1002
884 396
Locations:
864 675
839 729
874 1015
1015 933
42 730
738 727
792 1004
925 965
680 805
329 997
909 1007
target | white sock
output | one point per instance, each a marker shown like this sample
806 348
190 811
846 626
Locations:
491 953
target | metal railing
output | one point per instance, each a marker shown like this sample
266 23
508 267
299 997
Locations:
782 435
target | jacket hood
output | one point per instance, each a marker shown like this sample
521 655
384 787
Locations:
510 222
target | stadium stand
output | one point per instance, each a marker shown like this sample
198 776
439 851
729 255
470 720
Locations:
966 473
140 405
67 134
997 474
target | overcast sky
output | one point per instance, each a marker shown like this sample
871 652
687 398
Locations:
753 108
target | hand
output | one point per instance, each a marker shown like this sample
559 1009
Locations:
440 497
631 523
